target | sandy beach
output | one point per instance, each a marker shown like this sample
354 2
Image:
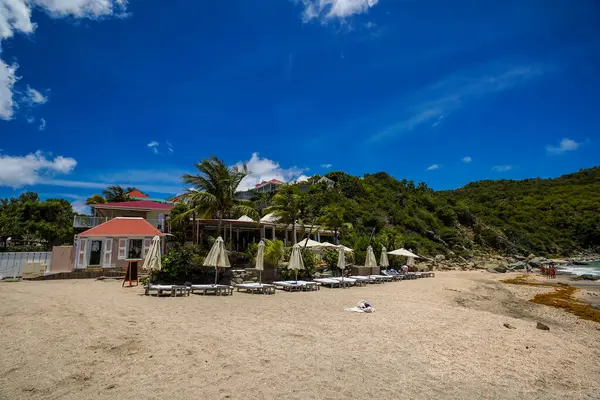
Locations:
439 338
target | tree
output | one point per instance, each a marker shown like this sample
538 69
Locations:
333 218
116 194
213 191
95 199
112 194
179 224
261 200
286 206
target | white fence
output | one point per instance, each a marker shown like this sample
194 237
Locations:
13 264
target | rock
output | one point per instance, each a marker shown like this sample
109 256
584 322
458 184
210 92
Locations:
585 277
500 269
517 265
440 257
542 326
537 262
520 258
531 256
509 326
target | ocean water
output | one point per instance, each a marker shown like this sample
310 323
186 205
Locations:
591 269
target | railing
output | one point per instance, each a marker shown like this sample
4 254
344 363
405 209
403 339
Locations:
29 264
84 221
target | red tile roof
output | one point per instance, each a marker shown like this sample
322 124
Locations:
123 227
263 183
141 204
137 194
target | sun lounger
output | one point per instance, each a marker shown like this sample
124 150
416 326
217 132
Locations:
366 279
297 285
218 290
392 274
351 281
261 288
159 289
330 282
382 278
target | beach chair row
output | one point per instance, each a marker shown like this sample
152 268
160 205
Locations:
291 286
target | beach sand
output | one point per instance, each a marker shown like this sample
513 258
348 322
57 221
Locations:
438 338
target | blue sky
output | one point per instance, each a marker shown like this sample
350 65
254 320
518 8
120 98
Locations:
99 92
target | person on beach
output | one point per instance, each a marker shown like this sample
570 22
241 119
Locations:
405 268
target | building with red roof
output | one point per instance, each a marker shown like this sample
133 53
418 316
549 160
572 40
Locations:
154 212
136 194
114 243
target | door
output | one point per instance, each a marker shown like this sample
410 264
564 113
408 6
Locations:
96 254
108 252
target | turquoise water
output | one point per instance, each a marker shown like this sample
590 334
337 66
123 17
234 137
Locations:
591 269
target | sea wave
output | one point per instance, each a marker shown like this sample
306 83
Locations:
581 269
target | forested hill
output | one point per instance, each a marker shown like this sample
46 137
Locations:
542 216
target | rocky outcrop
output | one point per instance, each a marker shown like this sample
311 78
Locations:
585 277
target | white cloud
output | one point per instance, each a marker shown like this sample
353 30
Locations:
80 207
565 144
154 146
326 166
42 125
502 168
467 159
7 82
169 146
263 169
30 120
433 167
15 17
34 96
438 121
326 10
18 171
302 178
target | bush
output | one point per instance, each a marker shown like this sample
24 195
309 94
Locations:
179 264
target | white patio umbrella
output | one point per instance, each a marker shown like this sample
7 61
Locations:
296 260
152 259
341 260
383 261
217 257
348 249
370 261
309 243
328 245
260 259
403 252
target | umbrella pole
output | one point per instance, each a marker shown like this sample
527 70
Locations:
216 275
296 276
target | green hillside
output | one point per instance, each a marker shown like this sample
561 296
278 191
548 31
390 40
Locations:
544 216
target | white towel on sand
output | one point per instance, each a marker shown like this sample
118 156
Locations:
362 307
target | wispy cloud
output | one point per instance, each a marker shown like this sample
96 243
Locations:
15 17
42 125
169 146
328 10
502 168
437 101
34 96
153 145
565 144
326 166
467 159
80 207
433 167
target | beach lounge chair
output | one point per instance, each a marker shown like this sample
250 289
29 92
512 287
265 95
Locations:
392 274
366 279
351 281
261 288
331 282
218 290
173 290
297 285
382 278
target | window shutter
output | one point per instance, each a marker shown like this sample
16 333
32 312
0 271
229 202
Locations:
81 255
122 249
108 252
147 244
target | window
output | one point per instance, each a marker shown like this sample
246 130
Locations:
134 249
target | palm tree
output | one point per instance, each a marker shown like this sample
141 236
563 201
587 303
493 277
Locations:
212 192
262 200
95 199
286 206
333 218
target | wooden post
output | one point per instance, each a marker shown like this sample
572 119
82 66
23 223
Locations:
273 228
237 240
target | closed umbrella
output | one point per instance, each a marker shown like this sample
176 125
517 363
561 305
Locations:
217 257
296 260
260 259
152 259
383 261
370 261
341 261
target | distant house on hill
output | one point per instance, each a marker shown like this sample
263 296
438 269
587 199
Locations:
270 186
